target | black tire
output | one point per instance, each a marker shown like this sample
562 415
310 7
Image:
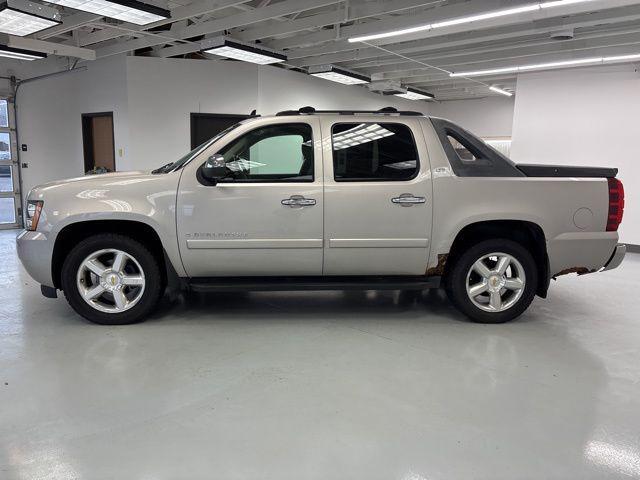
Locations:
456 280
150 266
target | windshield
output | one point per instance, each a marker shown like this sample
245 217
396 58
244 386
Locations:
170 167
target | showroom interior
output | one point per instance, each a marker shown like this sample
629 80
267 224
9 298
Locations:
343 382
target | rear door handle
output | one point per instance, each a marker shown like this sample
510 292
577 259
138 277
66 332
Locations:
298 201
408 200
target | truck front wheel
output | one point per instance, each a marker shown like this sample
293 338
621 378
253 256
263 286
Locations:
493 281
111 279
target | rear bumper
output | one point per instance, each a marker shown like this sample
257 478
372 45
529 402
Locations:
616 259
580 252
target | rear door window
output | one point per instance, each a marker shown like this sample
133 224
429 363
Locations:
373 152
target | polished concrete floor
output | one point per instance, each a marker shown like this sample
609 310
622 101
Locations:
322 386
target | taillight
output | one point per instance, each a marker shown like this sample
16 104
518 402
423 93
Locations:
616 204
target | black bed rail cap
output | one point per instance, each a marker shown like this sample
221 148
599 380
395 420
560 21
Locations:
566 171
382 111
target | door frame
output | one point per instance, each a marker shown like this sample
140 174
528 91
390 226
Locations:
395 244
87 138
14 165
253 246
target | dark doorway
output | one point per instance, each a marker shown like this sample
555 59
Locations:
98 141
207 125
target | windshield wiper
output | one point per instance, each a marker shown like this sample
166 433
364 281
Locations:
162 168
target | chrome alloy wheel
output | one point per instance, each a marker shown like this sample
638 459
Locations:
495 282
110 280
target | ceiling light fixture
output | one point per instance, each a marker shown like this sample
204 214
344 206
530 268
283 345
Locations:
469 19
131 11
24 18
542 66
414 94
546 66
227 48
493 71
493 88
20 54
339 75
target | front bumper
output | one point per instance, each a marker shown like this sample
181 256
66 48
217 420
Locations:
616 258
35 250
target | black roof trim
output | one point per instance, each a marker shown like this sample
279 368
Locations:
382 111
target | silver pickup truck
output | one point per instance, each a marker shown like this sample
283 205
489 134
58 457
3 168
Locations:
319 200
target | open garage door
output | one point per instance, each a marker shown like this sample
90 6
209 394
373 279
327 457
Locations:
9 179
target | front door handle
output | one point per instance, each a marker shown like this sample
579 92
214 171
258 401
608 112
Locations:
298 201
408 200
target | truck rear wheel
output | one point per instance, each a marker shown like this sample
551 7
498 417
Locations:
111 279
493 282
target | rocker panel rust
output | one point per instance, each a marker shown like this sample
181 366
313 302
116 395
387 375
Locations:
438 270
578 270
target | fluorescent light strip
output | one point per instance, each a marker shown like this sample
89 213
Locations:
501 91
244 55
485 16
541 66
469 19
126 10
19 54
544 66
20 24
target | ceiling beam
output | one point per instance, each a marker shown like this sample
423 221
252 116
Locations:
564 11
291 26
515 54
533 60
355 11
197 8
391 23
50 48
433 81
341 45
313 21
307 57
392 63
286 7
69 23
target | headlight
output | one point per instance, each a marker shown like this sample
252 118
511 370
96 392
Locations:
34 207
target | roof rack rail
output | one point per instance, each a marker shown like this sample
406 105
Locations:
382 111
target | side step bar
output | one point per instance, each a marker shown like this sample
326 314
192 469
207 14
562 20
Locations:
285 284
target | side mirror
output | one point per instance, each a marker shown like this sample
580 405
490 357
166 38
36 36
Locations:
215 168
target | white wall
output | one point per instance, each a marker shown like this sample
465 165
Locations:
151 99
49 118
163 92
485 117
587 116
579 116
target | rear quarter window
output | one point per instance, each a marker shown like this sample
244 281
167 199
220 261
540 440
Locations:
469 156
